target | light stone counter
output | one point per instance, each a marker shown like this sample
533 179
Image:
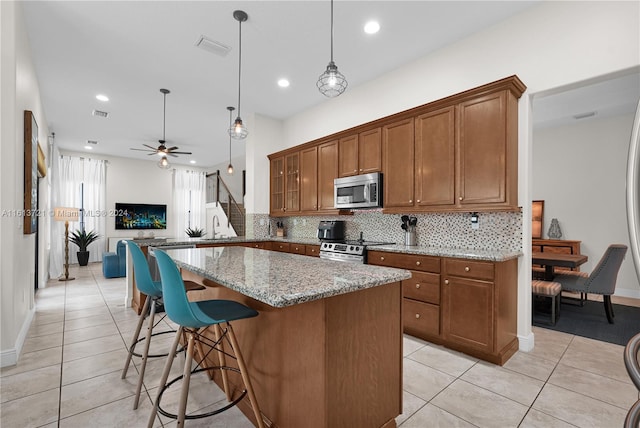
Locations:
463 253
281 279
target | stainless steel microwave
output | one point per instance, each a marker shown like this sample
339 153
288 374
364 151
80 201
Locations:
359 191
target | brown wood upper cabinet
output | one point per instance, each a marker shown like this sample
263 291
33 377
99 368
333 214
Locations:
361 153
285 184
398 155
327 171
309 179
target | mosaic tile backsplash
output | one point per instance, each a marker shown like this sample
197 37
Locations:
497 230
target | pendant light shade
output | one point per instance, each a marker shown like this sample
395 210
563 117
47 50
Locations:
332 83
230 167
237 130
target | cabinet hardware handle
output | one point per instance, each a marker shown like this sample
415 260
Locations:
418 263
360 169
417 285
467 269
410 201
446 281
382 258
418 200
460 198
417 316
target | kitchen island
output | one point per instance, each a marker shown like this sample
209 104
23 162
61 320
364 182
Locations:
326 349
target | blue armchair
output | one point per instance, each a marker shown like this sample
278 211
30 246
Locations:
114 265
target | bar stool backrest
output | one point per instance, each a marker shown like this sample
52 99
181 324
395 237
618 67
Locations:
176 304
144 282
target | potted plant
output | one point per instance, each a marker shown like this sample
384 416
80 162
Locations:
82 239
195 232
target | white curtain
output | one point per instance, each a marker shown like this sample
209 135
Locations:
79 183
189 196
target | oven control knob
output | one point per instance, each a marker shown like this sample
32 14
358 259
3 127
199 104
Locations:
351 248
356 248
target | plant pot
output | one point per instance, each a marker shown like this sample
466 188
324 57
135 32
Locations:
83 258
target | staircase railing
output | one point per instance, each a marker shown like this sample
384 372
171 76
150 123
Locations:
216 187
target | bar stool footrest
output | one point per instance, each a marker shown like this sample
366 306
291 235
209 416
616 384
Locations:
143 338
200 415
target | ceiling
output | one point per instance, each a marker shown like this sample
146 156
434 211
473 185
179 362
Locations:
129 50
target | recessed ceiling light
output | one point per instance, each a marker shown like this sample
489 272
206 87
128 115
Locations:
101 97
88 147
283 83
371 27
192 161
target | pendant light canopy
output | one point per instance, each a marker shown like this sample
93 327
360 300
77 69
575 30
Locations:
237 130
332 83
230 167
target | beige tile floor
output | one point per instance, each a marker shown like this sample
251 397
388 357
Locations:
69 374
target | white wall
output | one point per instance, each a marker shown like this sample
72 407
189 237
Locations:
19 91
233 181
579 171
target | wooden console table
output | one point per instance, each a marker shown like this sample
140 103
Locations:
558 246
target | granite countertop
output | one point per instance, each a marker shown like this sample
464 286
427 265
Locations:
281 279
465 253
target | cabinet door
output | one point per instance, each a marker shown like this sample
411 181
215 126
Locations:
348 156
277 186
467 312
309 179
292 183
397 155
327 172
482 150
435 158
370 151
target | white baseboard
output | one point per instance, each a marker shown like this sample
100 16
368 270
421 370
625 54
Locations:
626 292
526 343
9 357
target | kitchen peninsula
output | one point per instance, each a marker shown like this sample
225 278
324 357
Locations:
326 349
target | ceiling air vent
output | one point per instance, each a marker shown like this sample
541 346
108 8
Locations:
212 46
100 113
93 142
584 115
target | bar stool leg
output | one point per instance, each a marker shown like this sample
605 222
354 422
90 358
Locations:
186 378
145 353
165 376
245 376
223 362
145 307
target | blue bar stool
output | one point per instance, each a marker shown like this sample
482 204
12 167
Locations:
153 290
194 318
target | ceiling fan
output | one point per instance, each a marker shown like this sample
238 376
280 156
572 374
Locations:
162 149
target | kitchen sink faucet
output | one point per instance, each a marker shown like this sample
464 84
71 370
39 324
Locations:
214 221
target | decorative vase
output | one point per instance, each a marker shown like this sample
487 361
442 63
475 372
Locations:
83 258
554 229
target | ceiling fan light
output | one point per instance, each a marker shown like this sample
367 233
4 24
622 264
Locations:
230 169
164 163
237 130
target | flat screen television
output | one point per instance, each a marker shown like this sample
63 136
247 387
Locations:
140 216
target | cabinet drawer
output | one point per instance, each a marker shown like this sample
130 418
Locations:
422 286
469 268
297 249
420 319
404 261
313 250
280 246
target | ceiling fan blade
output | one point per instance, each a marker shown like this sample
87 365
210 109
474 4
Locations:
182 153
143 150
171 154
170 149
151 147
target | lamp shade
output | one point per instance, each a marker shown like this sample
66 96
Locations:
66 214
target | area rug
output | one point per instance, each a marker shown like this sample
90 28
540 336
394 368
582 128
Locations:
591 321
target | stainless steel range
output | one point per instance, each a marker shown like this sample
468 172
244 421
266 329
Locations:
347 251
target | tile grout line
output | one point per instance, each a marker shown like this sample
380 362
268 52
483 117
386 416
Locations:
64 320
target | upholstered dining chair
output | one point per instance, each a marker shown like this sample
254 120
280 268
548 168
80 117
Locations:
602 280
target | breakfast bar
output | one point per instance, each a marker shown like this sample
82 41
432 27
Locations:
326 349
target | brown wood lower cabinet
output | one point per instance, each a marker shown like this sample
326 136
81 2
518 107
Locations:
466 305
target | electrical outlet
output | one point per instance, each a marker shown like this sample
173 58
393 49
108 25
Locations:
475 221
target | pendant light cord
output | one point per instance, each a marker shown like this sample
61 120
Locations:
239 62
331 30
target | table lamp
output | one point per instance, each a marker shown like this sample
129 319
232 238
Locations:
66 214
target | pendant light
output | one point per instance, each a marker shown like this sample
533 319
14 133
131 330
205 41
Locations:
230 167
237 130
332 83
164 162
